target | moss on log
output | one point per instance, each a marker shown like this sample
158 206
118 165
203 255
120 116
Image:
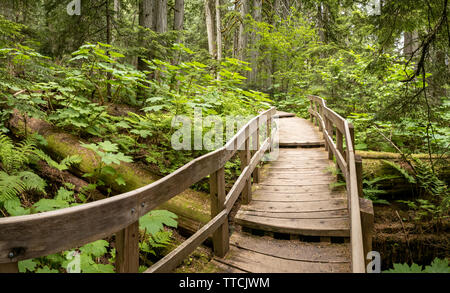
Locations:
192 207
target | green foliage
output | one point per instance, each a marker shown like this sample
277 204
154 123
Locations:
409 178
89 257
154 221
437 266
371 189
155 237
109 155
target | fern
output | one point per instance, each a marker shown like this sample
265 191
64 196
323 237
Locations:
12 185
428 180
15 157
65 163
401 170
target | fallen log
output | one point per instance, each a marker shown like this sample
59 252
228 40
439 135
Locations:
46 171
192 207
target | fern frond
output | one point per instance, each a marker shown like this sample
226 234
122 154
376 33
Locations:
14 157
401 170
64 165
32 182
10 186
71 160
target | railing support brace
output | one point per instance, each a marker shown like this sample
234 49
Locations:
127 249
9 268
217 192
245 157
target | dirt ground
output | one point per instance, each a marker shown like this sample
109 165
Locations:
399 238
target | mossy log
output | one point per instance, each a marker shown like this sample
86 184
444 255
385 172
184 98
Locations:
373 167
61 177
192 207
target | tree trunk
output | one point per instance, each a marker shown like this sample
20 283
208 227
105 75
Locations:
108 41
146 13
410 40
257 16
178 20
116 18
161 16
218 31
146 20
243 37
210 28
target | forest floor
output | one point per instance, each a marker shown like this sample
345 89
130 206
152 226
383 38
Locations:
401 239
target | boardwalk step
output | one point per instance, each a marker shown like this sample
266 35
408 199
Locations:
267 255
316 226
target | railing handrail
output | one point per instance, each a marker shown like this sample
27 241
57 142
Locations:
30 236
326 118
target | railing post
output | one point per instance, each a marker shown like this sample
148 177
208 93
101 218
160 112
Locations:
359 174
329 125
127 249
244 156
339 146
9 268
218 195
325 119
367 224
315 109
311 116
269 132
256 146
321 115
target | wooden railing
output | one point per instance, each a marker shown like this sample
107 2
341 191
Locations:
335 129
25 237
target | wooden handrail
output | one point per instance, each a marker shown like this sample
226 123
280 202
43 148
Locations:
326 118
25 237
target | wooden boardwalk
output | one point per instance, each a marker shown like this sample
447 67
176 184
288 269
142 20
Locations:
295 203
295 222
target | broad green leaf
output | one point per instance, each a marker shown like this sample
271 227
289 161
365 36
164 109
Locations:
27 265
155 220
97 248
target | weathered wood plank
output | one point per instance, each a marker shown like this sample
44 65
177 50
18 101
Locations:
127 249
217 191
367 225
255 262
343 213
308 227
43 234
9 268
293 250
291 207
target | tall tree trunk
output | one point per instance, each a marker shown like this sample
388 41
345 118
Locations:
116 18
257 16
218 31
161 16
410 43
108 41
243 37
146 13
321 23
210 28
178 19
236 34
